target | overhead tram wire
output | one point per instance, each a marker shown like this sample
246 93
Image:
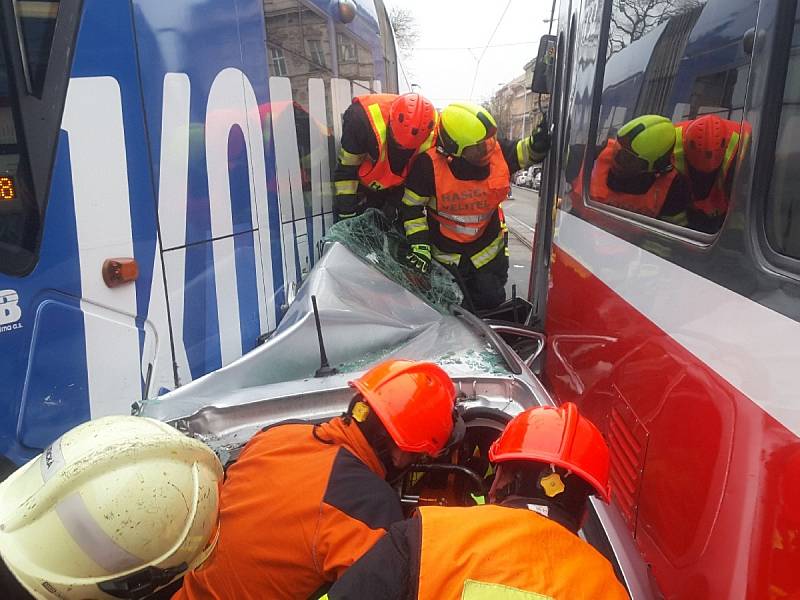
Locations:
403 71
480 58
434 48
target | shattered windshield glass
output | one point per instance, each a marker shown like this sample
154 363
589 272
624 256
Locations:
371 239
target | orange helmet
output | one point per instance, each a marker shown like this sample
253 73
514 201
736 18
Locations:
412 118
560 437
414 401
705 140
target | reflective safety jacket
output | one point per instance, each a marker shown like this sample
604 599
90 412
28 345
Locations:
715 203
464 208
481 553
493 548
648 204
300 505
378 175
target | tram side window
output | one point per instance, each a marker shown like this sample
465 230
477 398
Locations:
783 204
670 124
20 213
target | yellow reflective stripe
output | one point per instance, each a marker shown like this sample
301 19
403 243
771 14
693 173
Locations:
411 198
348 159
482 590
677 152
380 125
413 226
680 219
466 218
729 154
465 229
483 257
523 153
346 187
445 258
427 144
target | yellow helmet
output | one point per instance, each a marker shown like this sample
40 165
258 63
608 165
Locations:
649 141
118 507
461 125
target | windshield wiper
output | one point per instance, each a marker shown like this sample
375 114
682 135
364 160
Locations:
509 356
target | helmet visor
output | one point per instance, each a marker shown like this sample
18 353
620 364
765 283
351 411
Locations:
480 153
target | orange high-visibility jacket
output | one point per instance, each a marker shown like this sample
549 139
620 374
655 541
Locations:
466 552
464 208
378 175
648 204
297 509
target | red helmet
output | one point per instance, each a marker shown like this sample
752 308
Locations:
412 118
557 436
705 141
414 401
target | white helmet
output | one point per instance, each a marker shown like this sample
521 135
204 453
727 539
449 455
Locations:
116 508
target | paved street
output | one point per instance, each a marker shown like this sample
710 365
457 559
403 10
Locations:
521 217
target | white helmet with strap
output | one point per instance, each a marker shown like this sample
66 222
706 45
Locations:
118 507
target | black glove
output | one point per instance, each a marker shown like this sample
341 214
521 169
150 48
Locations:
540 139
419 258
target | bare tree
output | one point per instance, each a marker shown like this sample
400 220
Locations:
633 19
406 30
499 106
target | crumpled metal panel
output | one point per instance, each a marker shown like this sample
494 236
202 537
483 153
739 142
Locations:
365 318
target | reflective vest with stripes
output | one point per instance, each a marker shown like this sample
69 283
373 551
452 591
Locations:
378 175
716 202
488 552
465 208
648 204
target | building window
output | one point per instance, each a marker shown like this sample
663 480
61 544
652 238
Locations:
316 52
347 49
278 62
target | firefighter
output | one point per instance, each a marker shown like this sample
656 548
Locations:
705 151
452 194
524 544
304 501
118 507
381 136
634 171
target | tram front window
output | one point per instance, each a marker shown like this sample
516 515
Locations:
20 213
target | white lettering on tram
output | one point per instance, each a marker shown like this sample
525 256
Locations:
94 122
173 182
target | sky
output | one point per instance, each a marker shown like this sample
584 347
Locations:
453 35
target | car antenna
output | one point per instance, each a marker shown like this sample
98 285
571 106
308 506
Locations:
514 301
324 369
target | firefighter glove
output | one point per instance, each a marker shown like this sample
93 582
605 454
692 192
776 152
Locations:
540 139
419 258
